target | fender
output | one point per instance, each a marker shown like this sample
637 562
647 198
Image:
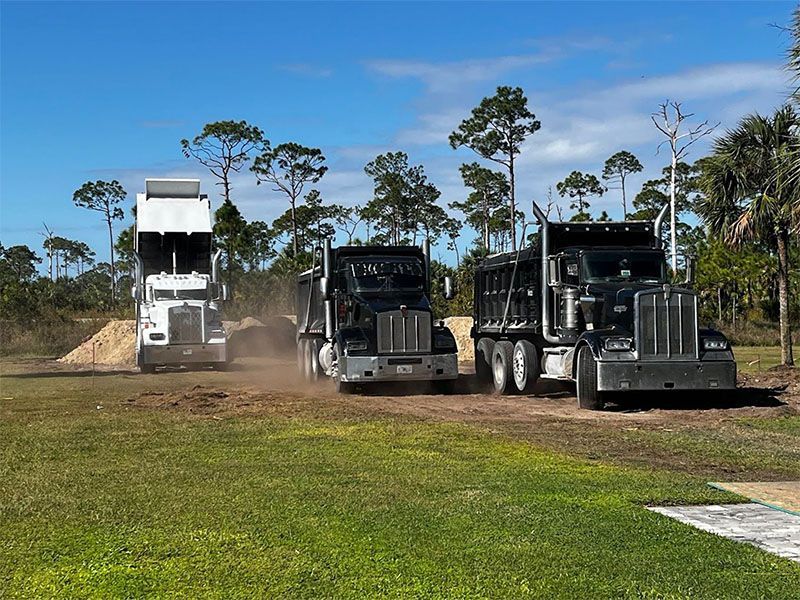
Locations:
593 339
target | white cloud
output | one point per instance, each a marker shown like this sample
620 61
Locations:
449 77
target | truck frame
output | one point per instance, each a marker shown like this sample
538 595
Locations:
364 317
176 278
590 303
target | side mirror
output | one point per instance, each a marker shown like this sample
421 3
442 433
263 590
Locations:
449 291
135 293
324 288
690 264
223 288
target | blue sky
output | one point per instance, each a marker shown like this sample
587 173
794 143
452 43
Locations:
106 90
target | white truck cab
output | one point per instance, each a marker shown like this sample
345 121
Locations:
178 311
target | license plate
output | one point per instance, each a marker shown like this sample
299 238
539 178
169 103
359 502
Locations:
404 369
187 352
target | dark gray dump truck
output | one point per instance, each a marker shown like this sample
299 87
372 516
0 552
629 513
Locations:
364 316
591 302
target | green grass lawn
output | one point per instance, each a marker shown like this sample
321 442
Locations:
751 359
123 502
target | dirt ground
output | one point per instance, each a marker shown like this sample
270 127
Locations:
707 434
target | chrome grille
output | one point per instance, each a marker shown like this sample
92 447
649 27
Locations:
398 334
666 325
186 325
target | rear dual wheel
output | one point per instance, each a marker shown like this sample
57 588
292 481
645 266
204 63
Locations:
308 358
515 367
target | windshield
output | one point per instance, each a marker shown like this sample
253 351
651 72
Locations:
200 294
380 274
622 265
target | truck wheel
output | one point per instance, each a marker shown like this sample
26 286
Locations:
308 361
147 369
301 357
315 346
344 387
483 360
525 365
588 396
501 367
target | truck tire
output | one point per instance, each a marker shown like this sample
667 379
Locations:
308 361
344 387
501 367
316 369
483 360
589 397
301 357
525 366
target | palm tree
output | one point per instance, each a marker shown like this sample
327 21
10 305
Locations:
751 194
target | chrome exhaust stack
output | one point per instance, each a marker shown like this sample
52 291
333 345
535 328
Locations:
326 273
545 242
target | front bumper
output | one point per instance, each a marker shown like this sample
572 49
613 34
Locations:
616 376
179 354
415 367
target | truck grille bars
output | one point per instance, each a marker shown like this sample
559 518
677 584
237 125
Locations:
399 334
666 325
186 325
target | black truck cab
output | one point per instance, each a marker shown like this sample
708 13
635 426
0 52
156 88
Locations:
364 315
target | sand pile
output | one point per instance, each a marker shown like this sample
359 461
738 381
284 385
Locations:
274 337
460 327
114 345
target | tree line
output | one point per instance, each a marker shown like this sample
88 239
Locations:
745 195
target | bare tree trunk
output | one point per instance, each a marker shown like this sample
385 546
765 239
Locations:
673 240
513 203
113 269
719 305
293 201
783 298
624 201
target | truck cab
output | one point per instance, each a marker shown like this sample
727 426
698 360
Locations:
364 316
593 303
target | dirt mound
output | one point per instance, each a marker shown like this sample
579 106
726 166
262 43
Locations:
782 379
203 400
460 327
273 337
114 345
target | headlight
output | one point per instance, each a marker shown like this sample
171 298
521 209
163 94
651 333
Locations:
444 341
157 336
715 344
356 345
618 344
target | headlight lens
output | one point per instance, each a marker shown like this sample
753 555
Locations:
356 345
715 344
157 336
444 341
618 344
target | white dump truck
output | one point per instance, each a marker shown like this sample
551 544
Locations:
176 284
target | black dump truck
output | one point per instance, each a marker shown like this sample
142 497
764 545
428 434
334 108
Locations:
364 316
591 302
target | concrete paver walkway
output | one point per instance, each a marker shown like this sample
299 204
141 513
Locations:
767 528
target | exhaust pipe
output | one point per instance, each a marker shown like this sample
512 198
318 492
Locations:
426 250
138 274
657 226
545 242
326 272
215 265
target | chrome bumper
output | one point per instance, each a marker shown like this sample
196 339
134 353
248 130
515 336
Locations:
427 367
184 354
617 376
